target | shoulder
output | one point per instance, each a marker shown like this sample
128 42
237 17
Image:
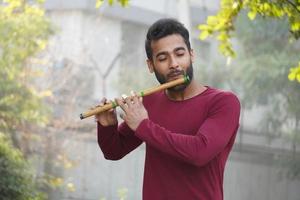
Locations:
219 97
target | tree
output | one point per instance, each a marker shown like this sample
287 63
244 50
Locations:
262 67
111 2
16 181
257 74
24 31
222 24
279 97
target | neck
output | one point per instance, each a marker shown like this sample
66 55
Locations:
190 91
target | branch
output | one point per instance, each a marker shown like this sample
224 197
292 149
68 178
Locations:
294 5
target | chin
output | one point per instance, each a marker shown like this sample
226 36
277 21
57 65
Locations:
178 88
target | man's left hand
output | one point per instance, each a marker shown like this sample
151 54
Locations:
134 111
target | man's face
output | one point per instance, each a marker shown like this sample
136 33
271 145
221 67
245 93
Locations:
171 60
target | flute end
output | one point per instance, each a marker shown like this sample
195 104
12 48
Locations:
186 79
81 116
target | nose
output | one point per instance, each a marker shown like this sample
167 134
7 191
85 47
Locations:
173 62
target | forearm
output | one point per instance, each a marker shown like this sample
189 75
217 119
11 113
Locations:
201 146
193 149
116 142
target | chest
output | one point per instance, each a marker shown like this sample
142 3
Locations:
185 118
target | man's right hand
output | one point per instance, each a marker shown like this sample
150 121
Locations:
106 118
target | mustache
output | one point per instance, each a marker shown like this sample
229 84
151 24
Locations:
175 73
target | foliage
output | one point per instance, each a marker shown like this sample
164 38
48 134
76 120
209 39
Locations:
16 181
122 193
258 76
295 73
123 3
23 32
222 24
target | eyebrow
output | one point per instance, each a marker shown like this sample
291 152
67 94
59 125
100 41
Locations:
179 48
165 52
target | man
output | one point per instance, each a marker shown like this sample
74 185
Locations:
189 129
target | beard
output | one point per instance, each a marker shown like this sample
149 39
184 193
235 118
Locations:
163 79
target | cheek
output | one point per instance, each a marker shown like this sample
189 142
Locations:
161 66
187 59
184 62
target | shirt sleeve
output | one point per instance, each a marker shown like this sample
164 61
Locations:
201 147
116 142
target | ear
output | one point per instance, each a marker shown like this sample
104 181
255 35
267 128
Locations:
192 55
150 65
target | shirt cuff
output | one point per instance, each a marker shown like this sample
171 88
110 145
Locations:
107 128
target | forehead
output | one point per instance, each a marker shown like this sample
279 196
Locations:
168 44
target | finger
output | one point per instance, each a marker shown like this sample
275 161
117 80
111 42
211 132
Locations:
140 100
132 93
94 107
122 115
96 117
135 98
121 104
103 101
112 109
128 101
124 96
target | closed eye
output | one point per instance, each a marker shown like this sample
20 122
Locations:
180 52
162 58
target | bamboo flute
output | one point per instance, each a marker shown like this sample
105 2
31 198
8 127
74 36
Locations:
114 104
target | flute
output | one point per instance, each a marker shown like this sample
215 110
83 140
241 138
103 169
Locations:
114 104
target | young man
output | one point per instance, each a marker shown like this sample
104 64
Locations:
189 129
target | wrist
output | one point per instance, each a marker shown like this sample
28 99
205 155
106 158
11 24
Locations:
139 124
107 124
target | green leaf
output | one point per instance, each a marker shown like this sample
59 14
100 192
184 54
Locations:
40 1
222 36
291 76
124 3
203 27
294 73
110 2
203 35
99 3
252 15
295 26
212 20
298 78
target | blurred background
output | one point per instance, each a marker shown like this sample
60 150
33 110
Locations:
60 57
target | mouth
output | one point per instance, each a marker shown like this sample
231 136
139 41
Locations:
175 75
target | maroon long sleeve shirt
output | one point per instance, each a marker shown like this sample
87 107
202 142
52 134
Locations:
187 144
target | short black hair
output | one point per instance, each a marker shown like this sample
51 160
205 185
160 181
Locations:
163 28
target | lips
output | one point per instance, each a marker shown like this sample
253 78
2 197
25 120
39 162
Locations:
174 74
